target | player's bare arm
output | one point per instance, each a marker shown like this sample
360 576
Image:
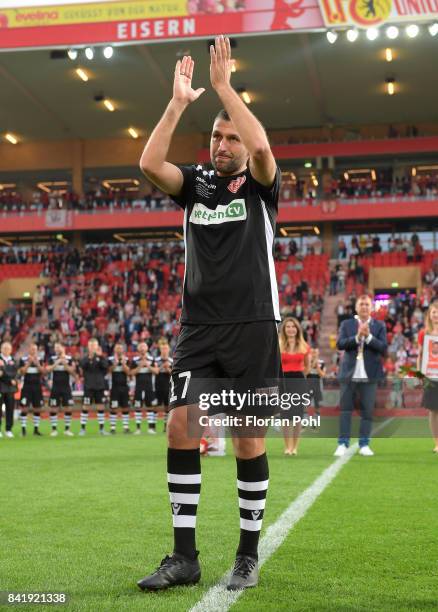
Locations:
165 175
261 160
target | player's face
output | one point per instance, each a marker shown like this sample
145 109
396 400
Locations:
164 350
227 152
59 350
142 348
33 350
118 350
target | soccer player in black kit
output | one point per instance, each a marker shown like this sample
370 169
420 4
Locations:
119 394
163 363
61 366
94 367
230 303
142 367
31 368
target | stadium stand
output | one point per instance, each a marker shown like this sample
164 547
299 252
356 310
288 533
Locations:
346 186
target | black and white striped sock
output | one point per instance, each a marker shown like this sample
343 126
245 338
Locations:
84 419
36 421
252 485
152 419
184 482
54 420
113 420
67 420
101 419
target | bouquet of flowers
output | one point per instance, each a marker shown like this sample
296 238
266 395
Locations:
412 372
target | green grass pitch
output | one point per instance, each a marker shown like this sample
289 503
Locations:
90 516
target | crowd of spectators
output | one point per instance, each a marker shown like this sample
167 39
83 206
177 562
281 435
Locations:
12 320
98 199
132 292
347 186
305 190
368 245
353 259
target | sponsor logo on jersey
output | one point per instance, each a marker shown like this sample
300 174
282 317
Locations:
255 514
236 184
234 211
204 182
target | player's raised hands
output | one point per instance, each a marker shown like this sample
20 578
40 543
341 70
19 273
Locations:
182 83
220 62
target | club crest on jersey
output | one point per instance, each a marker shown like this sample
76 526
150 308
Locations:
235 185
176 508
234 211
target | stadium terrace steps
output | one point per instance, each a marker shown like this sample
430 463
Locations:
328 327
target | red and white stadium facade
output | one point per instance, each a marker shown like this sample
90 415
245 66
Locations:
31 24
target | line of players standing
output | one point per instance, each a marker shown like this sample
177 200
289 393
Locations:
151 375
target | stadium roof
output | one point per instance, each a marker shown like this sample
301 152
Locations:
295 79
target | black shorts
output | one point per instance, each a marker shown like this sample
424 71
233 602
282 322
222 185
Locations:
119 397
61 398
144 397
162 387
248 353
93 396
31 397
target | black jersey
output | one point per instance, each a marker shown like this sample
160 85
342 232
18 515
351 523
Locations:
144 376
8 373
60 376
119 377
32 376
161 364
229 229
94 369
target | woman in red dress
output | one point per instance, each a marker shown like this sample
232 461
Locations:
430 397
295 360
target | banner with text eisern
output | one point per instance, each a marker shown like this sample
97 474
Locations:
142 20
67 24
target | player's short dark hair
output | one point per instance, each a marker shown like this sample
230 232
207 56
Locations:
222 114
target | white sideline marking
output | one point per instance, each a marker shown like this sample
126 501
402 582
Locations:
217 598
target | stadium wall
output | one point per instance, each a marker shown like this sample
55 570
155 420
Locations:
70 154
15 288
406 277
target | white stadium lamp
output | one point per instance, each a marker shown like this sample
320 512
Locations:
72 54
108 52
392 32
372 33
352 35
412 30
89 53
433 29
332 37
